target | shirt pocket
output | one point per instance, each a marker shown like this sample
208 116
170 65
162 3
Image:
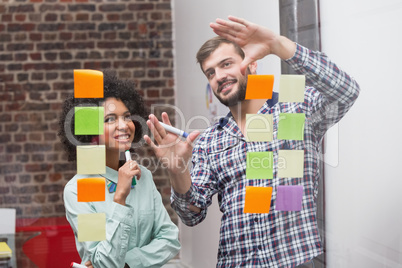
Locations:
145 226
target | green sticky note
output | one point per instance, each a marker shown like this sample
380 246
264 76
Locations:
259 127
291 126
91 159
290 163
291 88
259 165
88 120
91 227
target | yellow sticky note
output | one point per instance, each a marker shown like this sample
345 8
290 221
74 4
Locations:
290 163
259 127
91 189
91 159
291 88
88 84
259 86
5 250
91 227
257 199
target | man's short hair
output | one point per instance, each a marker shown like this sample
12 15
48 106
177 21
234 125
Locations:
211 45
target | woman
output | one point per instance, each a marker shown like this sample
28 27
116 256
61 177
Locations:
139 232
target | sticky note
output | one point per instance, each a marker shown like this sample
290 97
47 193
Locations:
91 189
5 250
290 163
91 159
88 84
259 127
259 86
257 199
259 165
91 227
291 126
289 198
291 88
88 120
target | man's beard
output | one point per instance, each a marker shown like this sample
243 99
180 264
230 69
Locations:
238 96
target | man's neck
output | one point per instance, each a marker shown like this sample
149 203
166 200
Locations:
245 107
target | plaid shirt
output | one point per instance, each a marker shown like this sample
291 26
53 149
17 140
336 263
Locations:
277 238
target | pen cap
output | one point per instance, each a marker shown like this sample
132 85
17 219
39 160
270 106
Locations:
76 265
128 155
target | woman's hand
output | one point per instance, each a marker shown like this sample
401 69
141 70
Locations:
89 264
126 175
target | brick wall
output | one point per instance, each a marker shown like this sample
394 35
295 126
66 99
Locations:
41 42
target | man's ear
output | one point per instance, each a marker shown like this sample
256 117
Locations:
253 67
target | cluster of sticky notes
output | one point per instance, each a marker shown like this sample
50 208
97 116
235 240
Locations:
91 159
259 128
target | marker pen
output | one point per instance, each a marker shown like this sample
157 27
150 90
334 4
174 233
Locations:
76 265
174 130
128 155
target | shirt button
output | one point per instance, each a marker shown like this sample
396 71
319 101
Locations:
256 219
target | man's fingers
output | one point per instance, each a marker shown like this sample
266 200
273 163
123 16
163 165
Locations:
238 20
192 137
150 142
165 118
158 138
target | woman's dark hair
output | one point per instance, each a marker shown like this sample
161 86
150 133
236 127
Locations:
120 89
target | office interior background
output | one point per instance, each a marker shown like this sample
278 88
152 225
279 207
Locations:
154 42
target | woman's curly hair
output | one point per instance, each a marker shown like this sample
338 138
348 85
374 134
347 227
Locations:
123 90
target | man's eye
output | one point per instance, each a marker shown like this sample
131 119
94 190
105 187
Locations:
210 74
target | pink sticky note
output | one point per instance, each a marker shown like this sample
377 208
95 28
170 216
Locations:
289 198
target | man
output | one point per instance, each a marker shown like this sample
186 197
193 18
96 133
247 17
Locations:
277 238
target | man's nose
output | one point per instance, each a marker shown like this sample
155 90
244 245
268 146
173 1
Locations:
220 75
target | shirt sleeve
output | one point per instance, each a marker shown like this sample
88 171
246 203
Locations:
201 191
164 244
110 252
335 92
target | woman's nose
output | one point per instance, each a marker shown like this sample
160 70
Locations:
122 123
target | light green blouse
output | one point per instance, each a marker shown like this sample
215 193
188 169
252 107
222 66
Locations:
140 233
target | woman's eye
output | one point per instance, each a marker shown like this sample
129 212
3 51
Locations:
110 119
127 118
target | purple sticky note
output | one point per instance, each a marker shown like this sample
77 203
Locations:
289 198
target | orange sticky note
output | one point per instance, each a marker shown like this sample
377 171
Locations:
258 199
88 84
91 189
259 86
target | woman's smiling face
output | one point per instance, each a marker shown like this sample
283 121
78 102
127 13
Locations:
119 129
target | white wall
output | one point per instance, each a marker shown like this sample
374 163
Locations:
363 190
191 30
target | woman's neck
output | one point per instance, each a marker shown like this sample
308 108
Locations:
112 159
